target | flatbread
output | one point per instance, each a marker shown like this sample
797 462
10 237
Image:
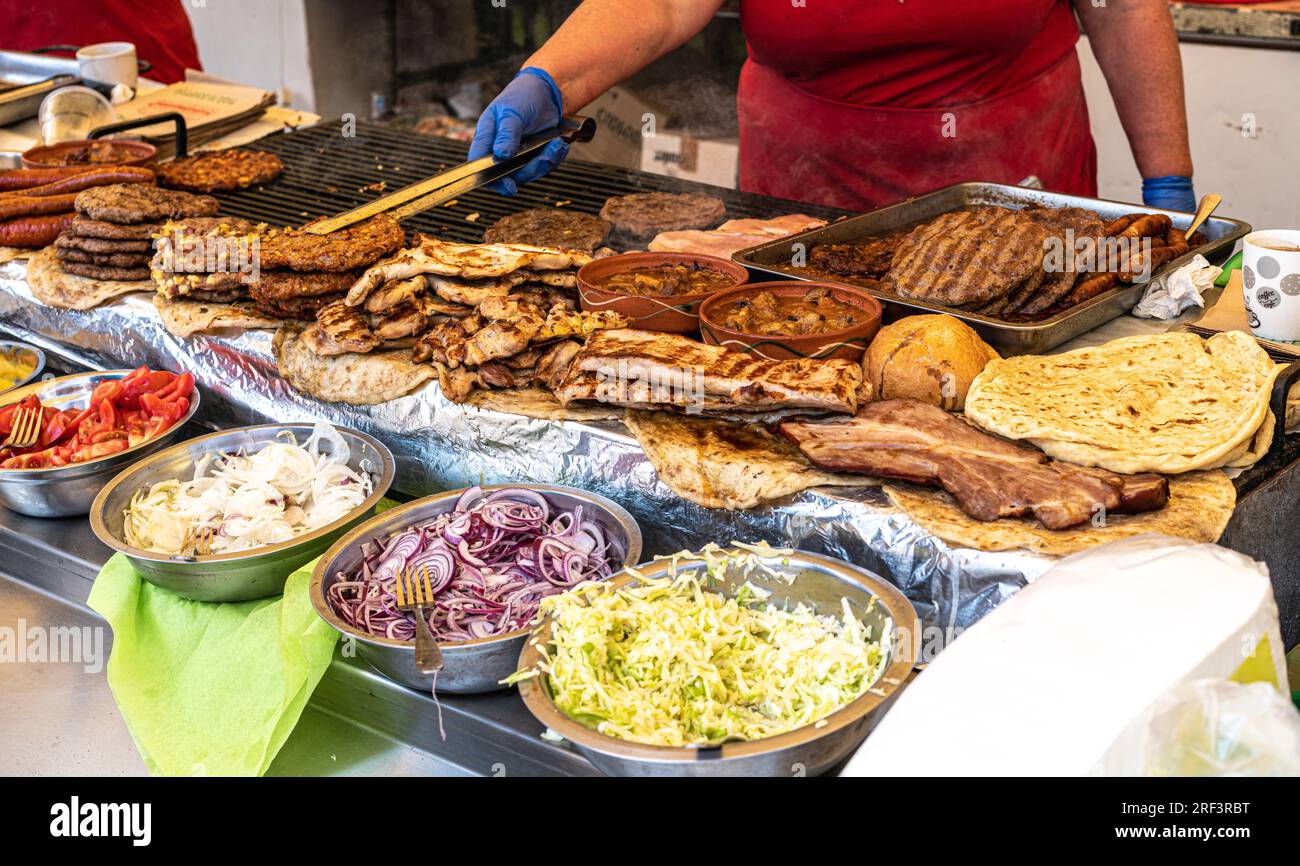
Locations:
361 380
1200 505
719 464
53 286
533 402
1165 403
9 254
183 318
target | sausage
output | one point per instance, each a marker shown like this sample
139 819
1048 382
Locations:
1118 225
95 177
20 206
1175 241
37 231
1090 287
26 178
1148 226
1159 255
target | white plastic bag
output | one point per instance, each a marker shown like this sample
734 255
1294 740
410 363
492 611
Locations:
1222 728
1065 677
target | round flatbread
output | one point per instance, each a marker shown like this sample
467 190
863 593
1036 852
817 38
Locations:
51 283
1166 403
220 170
1199 508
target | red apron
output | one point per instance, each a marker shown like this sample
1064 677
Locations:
798 145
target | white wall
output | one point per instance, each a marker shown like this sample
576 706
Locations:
257 42
1259 177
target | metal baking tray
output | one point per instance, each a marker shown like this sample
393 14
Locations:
1009 338
26 78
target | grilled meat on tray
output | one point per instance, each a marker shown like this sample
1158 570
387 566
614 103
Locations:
990 477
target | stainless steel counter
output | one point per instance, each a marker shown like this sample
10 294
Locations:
59 718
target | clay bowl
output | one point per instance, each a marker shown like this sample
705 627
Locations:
672 314
125 152
848 344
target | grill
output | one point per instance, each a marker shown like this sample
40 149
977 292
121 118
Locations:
325 174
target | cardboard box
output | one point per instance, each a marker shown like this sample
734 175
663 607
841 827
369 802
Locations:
714 161
622 119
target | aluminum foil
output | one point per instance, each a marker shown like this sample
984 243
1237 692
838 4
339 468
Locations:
440 446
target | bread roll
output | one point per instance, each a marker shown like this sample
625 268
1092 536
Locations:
930 358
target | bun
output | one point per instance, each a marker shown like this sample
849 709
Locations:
929 358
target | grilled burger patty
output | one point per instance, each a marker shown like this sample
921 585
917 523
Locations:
104 272
293 285
347 249
220 170
549 227
102 245
84 227
292 308
641 216
108 260
134 203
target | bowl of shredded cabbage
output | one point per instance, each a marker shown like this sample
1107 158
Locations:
229 516
745 660
492 555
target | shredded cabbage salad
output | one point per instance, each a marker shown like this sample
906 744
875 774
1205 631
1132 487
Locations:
668 662
246 501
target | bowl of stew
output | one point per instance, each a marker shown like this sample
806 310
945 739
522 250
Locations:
657 291
91 153
796 319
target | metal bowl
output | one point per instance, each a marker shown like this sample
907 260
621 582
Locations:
820 582
470 666
18 350
249 574
65 491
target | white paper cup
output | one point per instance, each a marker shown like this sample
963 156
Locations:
1270 281
108 63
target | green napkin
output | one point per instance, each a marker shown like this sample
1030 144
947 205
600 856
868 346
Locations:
210 689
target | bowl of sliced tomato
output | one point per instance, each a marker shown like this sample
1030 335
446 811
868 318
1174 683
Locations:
92 425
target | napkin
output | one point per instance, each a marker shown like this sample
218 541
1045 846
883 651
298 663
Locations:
1167 298
210 689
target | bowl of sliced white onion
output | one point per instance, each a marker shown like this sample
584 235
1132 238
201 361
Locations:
229 516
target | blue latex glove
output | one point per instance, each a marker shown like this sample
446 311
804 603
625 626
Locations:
1172 192
530 103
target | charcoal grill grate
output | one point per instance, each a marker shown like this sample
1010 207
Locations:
327 174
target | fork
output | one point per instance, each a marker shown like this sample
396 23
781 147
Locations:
26 429
198 542
414 592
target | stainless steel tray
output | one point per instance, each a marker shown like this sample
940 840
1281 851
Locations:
1009 338
26 78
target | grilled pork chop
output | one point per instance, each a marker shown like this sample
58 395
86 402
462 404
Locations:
341 329
683 372
968 258
990 477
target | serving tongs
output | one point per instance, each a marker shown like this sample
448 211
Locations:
451 184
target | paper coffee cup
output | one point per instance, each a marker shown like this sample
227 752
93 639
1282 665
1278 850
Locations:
108 63
1270 281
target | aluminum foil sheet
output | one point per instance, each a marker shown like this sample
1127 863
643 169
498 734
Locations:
440 446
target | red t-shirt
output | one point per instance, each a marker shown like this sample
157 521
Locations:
160 29
908 53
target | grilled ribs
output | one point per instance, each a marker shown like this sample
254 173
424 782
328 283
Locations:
988 476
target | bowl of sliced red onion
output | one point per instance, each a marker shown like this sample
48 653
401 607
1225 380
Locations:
492 553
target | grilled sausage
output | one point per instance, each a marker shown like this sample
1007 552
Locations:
1118 225
1090 287
1148 226
1158 256
37 231
86 179
26 178
1175 241
36 205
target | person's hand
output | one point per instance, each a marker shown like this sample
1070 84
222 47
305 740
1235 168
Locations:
1173 192
530 103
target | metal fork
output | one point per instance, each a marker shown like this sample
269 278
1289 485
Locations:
198 542
26 429
415 592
